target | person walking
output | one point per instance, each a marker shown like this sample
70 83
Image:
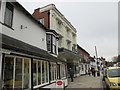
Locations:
71 73
94 72
89 71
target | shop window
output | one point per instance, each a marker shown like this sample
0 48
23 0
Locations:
34 73
8 67
63 73
53 72
26 73
8 14
18 73
47 73
39 72
43 72
58 71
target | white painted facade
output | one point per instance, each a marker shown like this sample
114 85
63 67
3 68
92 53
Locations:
31 32
67 33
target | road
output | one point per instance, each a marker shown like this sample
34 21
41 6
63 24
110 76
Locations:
86 81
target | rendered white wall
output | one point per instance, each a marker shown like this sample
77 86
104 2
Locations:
33 34
62 30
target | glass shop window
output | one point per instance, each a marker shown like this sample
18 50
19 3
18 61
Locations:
8 67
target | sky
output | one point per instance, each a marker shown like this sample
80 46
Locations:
96 22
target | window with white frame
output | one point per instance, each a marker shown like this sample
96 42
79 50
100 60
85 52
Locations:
68 45
42 21
74 48
59 23
40 72
60 42
8 14
54 44
68 32
51 43
53 70
63 71
16 72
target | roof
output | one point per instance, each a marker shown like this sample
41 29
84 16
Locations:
22 47
28 14
82 49
53 7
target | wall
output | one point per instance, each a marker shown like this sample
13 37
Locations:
37 14
33 34
61 30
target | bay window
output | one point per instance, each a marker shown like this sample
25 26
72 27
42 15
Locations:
51 43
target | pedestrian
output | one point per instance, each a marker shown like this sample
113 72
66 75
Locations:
89 71
71 73
94 72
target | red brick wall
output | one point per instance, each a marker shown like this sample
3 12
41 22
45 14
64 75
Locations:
38 15
83 53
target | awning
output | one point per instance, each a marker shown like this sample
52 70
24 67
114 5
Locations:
22 47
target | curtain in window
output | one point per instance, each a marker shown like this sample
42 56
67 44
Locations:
8 14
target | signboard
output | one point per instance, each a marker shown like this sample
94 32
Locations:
59 83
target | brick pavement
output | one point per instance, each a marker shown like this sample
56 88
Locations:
86 82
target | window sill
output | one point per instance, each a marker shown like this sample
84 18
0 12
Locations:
52 53
7 26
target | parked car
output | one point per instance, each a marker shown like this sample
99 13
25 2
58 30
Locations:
111 78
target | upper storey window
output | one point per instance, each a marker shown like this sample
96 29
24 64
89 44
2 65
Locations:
42 20
51 43
8 14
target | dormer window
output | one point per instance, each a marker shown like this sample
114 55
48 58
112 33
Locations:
42 20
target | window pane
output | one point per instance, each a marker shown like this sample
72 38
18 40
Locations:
18 73
54 40
53 71
8 14
26 73
43 73
39 72
58 71
34 73
46 71
8 72
48 42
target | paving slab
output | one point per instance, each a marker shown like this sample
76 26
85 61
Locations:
88 82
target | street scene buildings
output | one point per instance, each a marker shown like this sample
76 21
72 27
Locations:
38 50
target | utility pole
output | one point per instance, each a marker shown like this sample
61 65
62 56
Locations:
96 52
96 56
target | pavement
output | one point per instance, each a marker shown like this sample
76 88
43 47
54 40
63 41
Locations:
87 81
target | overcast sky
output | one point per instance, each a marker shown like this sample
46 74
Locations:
96 23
